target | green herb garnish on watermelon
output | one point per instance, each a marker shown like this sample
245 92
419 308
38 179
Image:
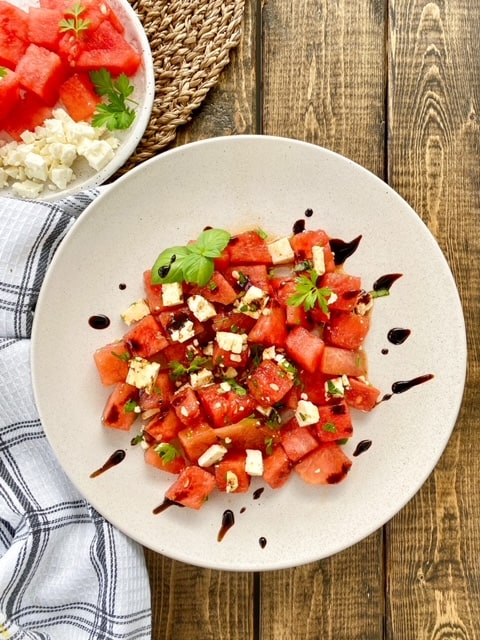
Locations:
116 113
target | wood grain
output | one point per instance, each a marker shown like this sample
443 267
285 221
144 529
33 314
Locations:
189 602
324 82
432 545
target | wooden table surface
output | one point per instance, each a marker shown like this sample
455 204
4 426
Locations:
395 86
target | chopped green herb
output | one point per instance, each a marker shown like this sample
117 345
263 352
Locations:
75 23
193 263
307 294
137 439
330 427
3 72
239 390
131 407
124 357
305 265
177 369
167 451
263 235
116 112
381 293
269 446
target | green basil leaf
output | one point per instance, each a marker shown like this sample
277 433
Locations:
197 269
212 242
168 266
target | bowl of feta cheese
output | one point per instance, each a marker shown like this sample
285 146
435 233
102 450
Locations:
67 149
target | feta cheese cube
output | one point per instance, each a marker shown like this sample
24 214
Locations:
135 312
281 251
184 333
254 462
35 167
201 308
201 378
27 188
306 413
213 454
98 154
234 342
172 294
142 373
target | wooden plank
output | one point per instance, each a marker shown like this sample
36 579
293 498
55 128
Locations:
189 602
324 82
433 545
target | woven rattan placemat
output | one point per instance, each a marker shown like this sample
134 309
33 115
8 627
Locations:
191 42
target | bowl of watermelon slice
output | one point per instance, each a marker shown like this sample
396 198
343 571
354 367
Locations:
76 93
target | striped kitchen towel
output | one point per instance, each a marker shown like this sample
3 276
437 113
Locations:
65 573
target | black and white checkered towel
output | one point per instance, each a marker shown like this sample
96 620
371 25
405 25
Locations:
65 573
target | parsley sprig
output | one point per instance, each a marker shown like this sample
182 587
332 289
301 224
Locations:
167 452
307 294
193 263
116 112
76 23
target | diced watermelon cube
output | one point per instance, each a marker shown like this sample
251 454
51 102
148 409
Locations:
13 34
29 113
41 71
106 47
9 93
43 26
79 97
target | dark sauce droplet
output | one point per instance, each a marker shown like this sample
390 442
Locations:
116 457
122 286
384 352
298 227
164 270
362 446
243 509
404 385
398 335
308 213
343 250
165 505
385 282
228 520
262 542
99 321
258 492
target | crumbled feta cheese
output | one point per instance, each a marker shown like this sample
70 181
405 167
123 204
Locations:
281 251
45 157
201 378
201 308
269 353
213 454
184 333
306 413
142 373
135 312
234 342
253 302
335 387
172 294
254 462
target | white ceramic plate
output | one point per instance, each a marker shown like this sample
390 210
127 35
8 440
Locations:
144 83
237 183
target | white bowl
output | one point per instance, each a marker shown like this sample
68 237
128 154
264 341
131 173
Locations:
144 83
236 183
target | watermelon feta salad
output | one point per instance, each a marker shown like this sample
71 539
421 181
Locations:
245 358
65 71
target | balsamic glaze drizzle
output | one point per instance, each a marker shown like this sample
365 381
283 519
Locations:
385 282
228 520
116 457
99 321
343 250
404 385
398 335
362 446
